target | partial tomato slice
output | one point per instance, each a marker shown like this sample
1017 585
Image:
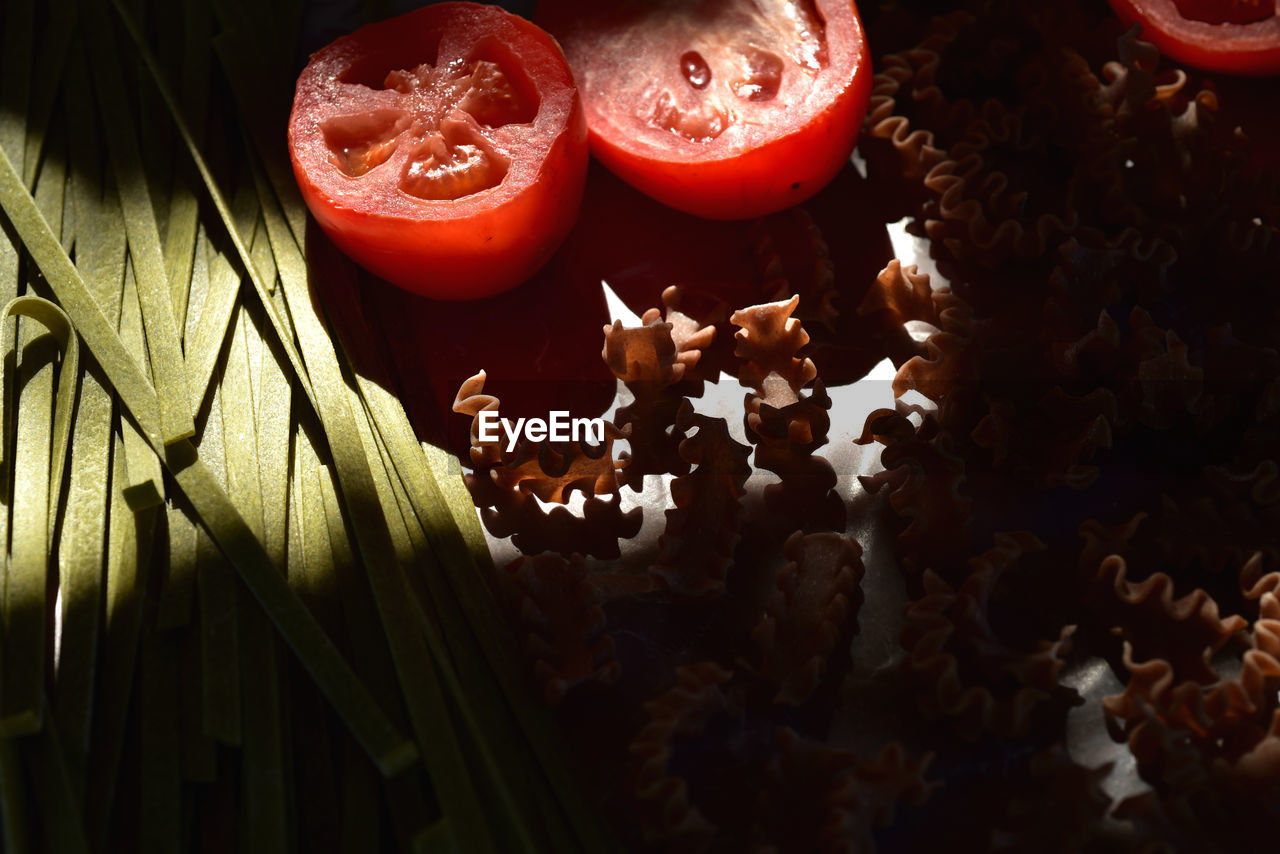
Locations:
444 150
1230 36
723 108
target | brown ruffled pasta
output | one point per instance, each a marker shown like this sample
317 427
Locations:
946 363
923 98
962 670
949 362
471 400
556 608
1260 485
814 607
1147 612
1202 801
1092 274
1102 541
1132 84
817 798
1053 441
511 513
1233 369
794 260
785 441
1168 385
655 361
784 423
903 87
508 485
1213 746
767 343
1057 806
1102 331
900 294
552 473
926 480
549 470
1202 530
1217 533
1165 170
683 712
698 542
1001 192
1170 646
1064 100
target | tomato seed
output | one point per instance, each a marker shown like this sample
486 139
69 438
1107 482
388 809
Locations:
695 69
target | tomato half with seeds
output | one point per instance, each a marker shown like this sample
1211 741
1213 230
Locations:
1229 36
444 150
727 109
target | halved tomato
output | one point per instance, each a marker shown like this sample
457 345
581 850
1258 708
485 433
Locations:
444 150
1230 36
726 109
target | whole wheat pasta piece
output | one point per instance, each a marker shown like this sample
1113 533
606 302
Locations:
511 513
549 470
1054 805
785 443
555 607
794 260
680 714
963 671
768 343
1169 648
786 425
985 216
926 479
820 798
655 361
813 608
701 533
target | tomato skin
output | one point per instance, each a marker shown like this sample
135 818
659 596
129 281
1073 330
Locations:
769 171
1248 49
452 248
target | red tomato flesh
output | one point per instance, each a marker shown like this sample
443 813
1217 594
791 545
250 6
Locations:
1229 36
444 150
726 109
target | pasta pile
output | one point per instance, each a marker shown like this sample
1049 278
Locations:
1081 476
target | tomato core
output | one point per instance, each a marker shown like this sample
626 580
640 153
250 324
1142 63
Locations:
735 55
442 118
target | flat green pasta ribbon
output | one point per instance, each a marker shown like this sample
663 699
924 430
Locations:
53 318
